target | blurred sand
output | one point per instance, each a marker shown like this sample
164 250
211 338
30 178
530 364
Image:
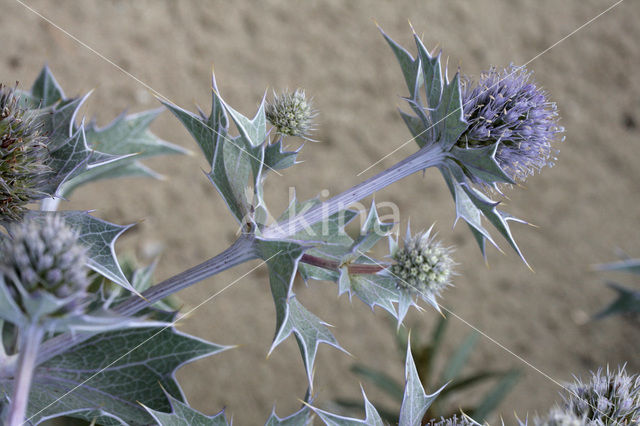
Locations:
586 207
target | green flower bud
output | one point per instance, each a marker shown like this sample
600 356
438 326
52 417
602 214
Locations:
291 114
423 266
44 267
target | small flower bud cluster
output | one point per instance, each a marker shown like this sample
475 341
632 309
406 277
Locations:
423 265
611 398
23 157
291 114
506 107
44 257
559 417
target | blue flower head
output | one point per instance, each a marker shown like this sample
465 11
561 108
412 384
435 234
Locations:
508 108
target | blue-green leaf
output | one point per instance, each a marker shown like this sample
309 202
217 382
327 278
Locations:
45 90
631 266
627 302
183 415
103 377
416 401
254 131
302 417
372 417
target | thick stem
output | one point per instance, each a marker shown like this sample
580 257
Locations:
239 252
426 157
30 342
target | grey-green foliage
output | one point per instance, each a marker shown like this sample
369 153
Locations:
106 376
86 153
438 119
183 415
237 162
415 402
453 375
627 300
374 288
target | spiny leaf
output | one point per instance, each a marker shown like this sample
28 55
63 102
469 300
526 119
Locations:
99 237
416 401
103 377
277 158
302 417
627 302
482 163
309 330
282 258
45 90
230 174
183 415
254 131
372 418
631 266
410 67
372 289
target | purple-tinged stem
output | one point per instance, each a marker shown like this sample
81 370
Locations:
426 157
30 338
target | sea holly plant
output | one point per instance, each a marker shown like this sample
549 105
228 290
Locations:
77 327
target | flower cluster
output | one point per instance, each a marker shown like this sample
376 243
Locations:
611 398
23 157
508 109
559 417
44 261
291 114
453 421
424 266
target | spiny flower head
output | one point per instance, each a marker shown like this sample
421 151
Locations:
610 398
23 157
423 266
291 114
44 258
559 417
453 421
508 108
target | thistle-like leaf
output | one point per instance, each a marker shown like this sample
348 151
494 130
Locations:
627 302
302 417
100 153
472 206
254 131
372 417
183 415
415 401
102 378
631 266
128 139
99 237
309 330
282 258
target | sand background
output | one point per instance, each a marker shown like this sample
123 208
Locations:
586 207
